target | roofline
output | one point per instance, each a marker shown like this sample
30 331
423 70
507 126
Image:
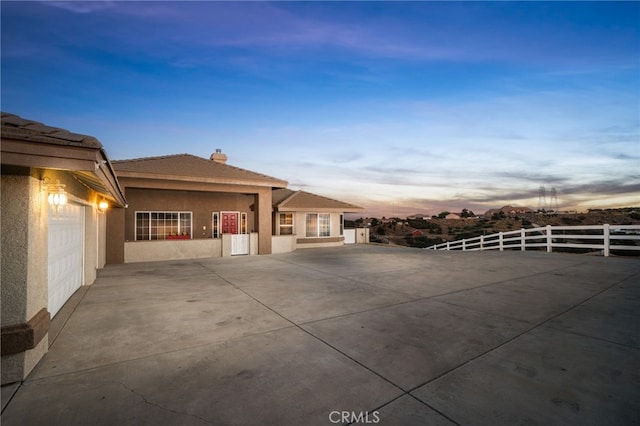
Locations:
347 208
264 180
227 181
38 155
119 193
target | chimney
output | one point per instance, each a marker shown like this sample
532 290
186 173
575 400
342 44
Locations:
219 157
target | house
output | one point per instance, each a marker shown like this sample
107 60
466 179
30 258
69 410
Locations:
418 216
453 216
416 233
507 210
302 220
184 206
56 187
64 215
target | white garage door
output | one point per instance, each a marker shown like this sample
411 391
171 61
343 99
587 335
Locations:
66 246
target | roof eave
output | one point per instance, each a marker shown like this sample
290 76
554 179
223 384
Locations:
211 180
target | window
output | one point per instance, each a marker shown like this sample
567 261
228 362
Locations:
318 225
163 225
285 223
243 223
215 225
341 224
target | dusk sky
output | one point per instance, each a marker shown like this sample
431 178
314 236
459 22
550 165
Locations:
400 107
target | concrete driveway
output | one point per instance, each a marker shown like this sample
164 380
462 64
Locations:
360 334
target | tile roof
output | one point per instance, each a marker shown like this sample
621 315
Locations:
29 143
191 167
17 128
289 200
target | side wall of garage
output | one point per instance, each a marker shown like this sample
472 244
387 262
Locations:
24 275
25 219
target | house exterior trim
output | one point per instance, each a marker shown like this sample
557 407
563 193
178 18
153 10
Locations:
22 337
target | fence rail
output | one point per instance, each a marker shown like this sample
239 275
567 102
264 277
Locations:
591 237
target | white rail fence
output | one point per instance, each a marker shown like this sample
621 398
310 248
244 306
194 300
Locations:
591 237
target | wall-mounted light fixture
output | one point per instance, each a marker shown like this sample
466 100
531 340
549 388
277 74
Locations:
57 195
103 205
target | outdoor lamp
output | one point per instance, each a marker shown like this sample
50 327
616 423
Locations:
57 195
103 205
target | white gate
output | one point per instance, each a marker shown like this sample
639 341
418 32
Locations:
65 254
349 236
239 244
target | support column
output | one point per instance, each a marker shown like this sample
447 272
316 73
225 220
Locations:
25 319
263 215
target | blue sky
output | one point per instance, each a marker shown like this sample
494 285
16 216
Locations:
401 107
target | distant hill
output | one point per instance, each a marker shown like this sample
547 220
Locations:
422 232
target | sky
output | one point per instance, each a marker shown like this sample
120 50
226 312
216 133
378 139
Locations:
399 107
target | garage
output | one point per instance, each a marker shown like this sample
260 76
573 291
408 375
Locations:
65 254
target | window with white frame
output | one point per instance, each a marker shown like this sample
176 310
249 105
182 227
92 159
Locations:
318 225
163 225
285 223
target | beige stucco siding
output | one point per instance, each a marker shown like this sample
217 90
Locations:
151 251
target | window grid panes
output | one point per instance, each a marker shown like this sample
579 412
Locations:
215 225
286 224
324 225
318 225
243 223
163 225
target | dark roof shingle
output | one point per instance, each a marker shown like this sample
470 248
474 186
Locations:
15 127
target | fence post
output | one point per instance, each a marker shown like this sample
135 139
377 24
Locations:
501 243
464 245
447 245
549 239
522 240
607 238
481 242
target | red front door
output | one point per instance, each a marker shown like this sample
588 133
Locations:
230 222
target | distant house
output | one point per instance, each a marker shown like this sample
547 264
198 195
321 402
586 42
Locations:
452 216
508 210
56 187
418 217
416 233
184 206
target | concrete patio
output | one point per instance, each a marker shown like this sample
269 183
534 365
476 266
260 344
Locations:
362 334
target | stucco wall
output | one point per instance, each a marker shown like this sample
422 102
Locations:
283 243
149 251
201 204
23 264
24 248
320 244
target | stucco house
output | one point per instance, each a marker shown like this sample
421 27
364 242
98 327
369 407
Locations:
56 187
67 210
303 220
184 206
